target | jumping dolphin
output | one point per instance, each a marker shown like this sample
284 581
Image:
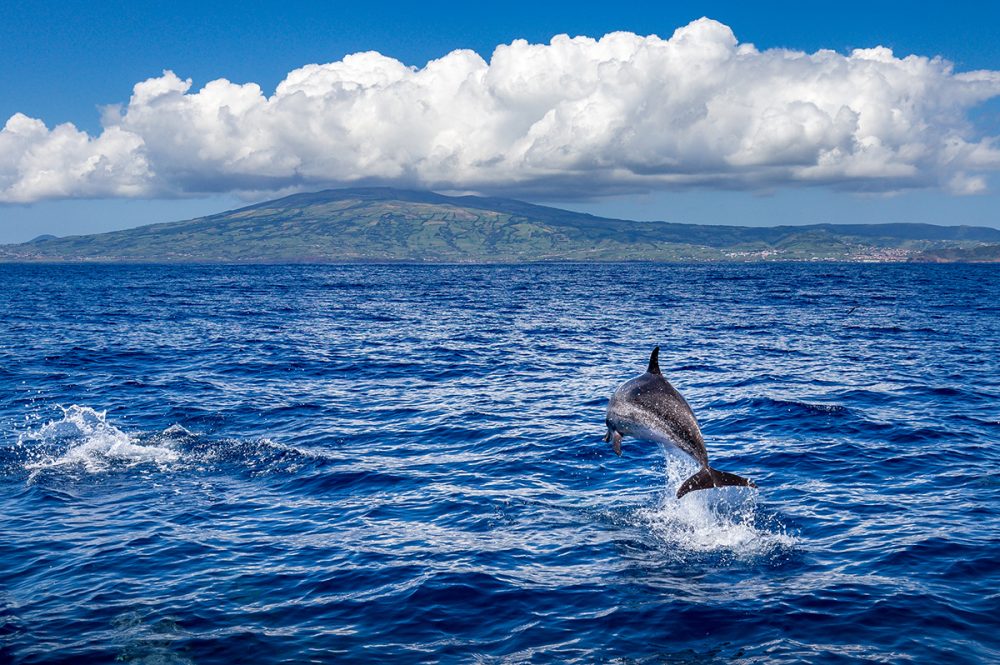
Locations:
649 408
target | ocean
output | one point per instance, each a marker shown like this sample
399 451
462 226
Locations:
396 463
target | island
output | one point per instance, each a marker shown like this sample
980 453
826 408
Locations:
378 224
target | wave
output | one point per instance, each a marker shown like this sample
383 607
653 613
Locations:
83 442
697 367
809 408
760 409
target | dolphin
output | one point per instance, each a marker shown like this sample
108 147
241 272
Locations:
649 408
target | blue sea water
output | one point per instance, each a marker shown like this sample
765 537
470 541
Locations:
289 464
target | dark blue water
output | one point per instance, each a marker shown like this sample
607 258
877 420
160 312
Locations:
404 464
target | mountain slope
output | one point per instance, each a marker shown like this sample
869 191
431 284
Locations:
979 254
379 224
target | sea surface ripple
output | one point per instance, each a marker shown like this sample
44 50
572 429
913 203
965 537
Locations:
287 464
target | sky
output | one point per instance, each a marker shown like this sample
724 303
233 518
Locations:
118 114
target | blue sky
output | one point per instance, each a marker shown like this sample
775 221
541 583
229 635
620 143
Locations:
64 62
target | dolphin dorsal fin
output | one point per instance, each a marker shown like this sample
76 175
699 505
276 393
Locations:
654 361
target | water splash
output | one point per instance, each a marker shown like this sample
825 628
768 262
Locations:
725 521
84 440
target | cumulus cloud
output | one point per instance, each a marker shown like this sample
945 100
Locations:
576 117
39 163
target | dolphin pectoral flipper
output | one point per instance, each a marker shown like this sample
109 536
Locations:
708 478
614 437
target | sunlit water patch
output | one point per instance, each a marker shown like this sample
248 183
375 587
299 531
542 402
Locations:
404 464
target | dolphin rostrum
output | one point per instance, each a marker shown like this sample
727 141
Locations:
649 408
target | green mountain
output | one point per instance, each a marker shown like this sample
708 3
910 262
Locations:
978 254
379 224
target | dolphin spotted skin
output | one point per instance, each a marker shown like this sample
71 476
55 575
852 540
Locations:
649 408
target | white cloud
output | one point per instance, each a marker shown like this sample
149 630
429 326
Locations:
39 163
575 117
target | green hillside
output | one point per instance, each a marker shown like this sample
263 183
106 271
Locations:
377 224
979 254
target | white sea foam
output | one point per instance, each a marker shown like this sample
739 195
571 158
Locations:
177 430
83 439
726 521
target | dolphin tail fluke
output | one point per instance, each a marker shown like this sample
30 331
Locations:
708 478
